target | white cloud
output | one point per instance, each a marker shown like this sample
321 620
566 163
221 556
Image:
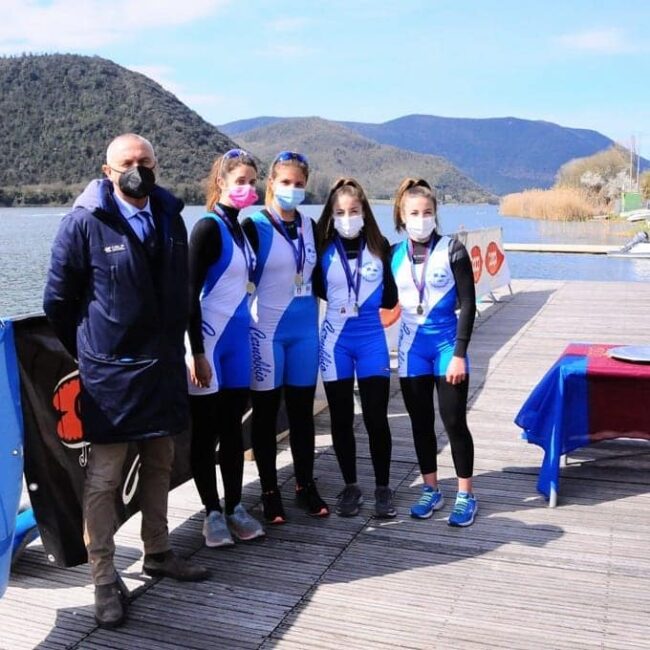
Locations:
199 102
70 25
600 41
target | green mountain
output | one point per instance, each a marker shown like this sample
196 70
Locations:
60 111
334 151
502 154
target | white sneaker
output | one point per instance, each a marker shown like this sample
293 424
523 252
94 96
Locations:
215 530
243 526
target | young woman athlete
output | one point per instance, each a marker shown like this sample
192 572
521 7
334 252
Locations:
221 274
433 274
354 277
284 334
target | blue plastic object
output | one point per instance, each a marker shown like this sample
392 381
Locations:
26 531
11 448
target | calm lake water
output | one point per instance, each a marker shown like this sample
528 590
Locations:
27 233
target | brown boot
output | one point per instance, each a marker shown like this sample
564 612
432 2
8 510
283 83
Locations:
109 609
172 566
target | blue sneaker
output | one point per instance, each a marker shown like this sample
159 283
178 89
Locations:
464 511
431 499
215 530
242 526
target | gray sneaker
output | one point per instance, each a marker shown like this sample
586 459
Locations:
215 530
349 501
243 526
384 508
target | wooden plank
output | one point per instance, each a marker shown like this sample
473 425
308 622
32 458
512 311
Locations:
592 249
523 576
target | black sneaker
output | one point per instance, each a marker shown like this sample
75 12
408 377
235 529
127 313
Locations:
272 505
311 501
384 508
349 501
171 565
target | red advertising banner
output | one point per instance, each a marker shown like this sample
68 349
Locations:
489 263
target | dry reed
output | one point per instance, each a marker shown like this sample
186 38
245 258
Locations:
557 204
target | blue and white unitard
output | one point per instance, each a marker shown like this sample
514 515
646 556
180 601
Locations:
221 263
224 304
356 283
429 333
284 328
351 336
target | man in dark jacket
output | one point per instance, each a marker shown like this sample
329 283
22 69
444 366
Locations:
116 296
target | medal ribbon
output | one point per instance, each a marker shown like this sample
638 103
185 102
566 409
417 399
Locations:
421 283
298 251
240 240
353 279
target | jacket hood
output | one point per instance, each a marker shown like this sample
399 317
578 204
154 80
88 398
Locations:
97 194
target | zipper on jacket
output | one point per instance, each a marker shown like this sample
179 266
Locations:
113 288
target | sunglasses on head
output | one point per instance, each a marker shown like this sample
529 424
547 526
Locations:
286 156
236 153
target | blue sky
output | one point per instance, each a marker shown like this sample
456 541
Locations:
579 63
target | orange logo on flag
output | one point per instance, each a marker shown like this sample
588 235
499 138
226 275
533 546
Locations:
66 405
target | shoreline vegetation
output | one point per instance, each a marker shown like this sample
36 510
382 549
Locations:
556 204
61 195
584 188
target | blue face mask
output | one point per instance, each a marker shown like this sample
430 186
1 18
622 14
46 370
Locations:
288 197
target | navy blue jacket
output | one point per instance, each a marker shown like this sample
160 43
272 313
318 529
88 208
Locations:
122 313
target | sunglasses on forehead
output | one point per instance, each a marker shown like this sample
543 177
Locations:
286 156
236 153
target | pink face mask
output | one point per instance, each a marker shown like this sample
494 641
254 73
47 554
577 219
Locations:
241 196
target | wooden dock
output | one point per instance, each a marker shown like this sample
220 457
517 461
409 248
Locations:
587 249
524 576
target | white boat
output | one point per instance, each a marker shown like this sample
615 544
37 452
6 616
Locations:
638 247
636 215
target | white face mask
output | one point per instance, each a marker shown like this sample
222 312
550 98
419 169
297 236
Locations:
420 228
349 227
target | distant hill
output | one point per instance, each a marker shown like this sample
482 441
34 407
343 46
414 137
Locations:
60 111
334 150
233 129
501 154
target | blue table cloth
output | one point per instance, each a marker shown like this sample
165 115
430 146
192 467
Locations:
584 398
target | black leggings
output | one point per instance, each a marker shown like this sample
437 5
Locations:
218 417
374 392
452 400
299 401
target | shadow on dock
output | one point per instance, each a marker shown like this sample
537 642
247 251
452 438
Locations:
524 576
